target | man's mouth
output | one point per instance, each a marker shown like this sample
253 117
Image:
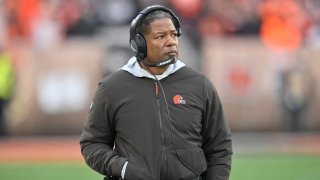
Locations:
171 53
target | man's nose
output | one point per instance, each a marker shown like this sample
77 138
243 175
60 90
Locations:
171 41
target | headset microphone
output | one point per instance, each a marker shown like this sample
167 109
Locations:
166 62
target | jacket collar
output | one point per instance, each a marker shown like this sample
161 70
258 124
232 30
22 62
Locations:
134 68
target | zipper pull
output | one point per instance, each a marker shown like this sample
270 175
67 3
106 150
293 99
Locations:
157 89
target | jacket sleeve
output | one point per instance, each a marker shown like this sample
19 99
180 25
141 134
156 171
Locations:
97 138
216 135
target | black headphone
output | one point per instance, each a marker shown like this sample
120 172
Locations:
137 41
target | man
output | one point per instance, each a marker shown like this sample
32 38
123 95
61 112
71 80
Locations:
155 118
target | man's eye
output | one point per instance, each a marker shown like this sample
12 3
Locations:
160 37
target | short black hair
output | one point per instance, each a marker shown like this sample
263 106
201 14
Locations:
144 28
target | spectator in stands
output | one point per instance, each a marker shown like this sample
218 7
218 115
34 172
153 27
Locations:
296 96
6 86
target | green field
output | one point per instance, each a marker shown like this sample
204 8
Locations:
245 167
276 167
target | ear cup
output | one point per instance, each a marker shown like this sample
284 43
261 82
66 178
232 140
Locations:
141 46
133 45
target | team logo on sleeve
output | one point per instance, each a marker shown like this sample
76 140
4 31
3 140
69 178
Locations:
177 99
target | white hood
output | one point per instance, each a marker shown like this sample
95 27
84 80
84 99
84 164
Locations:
133 67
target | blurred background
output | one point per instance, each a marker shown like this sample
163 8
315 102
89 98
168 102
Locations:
261 55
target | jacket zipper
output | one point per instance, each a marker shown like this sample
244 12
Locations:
160 120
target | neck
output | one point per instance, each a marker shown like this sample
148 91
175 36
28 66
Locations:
154 70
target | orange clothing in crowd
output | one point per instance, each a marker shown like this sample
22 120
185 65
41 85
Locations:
188 9
283 23
21 14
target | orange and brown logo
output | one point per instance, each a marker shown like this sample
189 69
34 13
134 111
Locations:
177 99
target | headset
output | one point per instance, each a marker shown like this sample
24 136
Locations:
137 41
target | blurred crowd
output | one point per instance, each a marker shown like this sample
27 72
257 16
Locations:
44 22
282 25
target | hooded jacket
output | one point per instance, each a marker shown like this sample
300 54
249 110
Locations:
168 128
